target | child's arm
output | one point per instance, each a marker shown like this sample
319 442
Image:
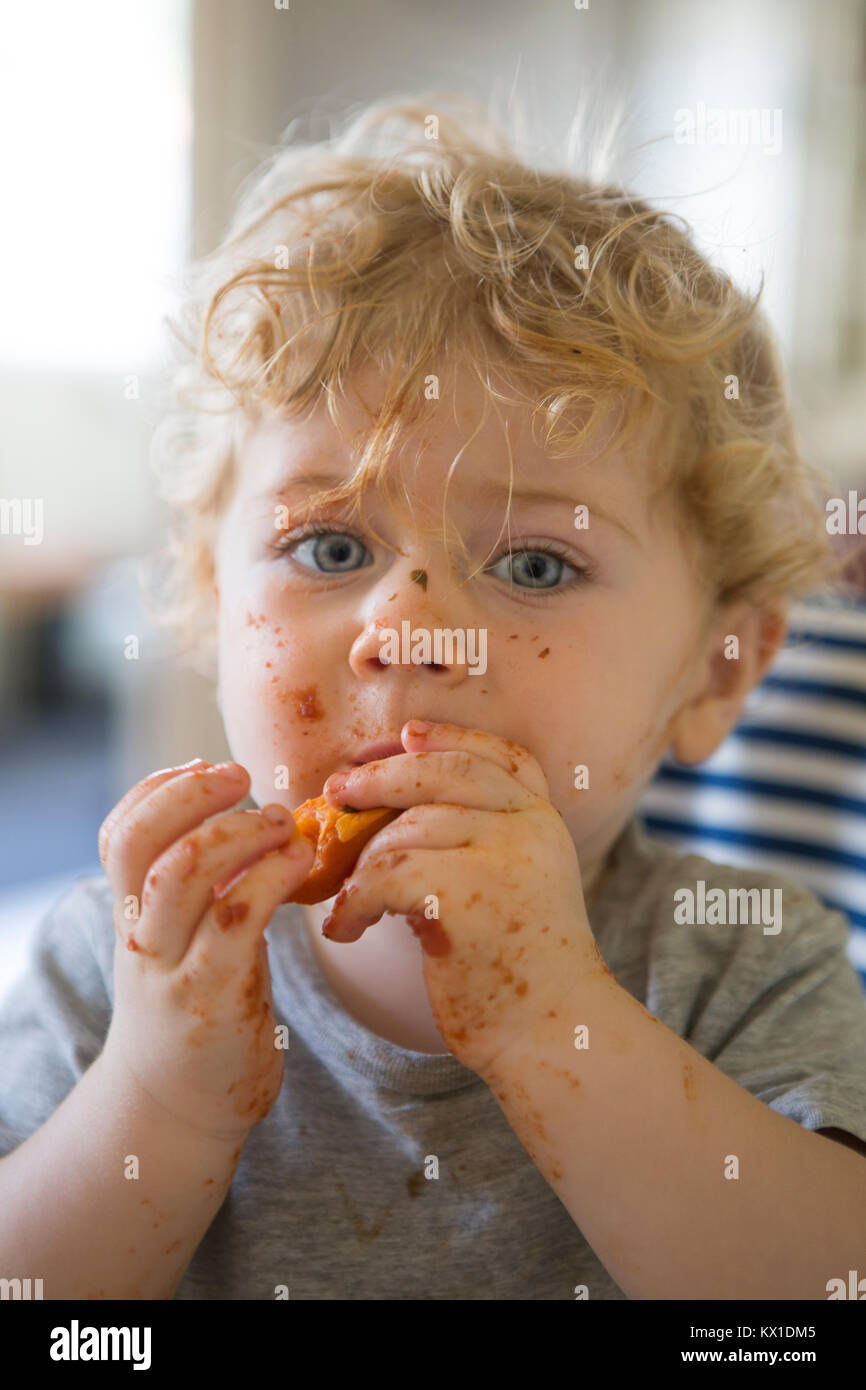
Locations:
112 1195
637 1135
70 1216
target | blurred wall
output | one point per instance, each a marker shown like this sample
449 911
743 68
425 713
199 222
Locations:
256 68
798 216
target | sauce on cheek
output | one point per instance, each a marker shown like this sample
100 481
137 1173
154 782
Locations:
306 702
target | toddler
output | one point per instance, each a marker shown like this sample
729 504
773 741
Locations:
551 447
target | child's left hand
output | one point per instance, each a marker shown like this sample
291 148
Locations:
512 933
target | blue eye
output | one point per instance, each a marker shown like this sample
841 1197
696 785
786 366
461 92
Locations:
334 556
541 569
333 549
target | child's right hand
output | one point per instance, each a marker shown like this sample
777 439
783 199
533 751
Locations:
192 1018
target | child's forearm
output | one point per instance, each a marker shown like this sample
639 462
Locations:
637 1135
70 1215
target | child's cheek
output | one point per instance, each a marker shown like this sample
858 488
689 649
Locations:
642 756
275 709
265 655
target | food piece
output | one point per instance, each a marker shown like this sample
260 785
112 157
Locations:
339 836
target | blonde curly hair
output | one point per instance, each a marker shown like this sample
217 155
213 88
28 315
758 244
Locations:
438 256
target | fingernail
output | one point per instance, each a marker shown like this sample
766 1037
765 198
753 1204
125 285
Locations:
336 782
419 726
183 766
278 815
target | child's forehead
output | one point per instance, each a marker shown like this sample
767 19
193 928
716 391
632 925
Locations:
483 454
467 413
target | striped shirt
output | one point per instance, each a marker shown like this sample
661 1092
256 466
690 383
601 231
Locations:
786 790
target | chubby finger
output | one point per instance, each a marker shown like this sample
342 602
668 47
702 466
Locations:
512 757
434 826
364 899
136 794
168 810
453 775
232 925
179 886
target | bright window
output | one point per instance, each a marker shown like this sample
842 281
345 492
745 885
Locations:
96 121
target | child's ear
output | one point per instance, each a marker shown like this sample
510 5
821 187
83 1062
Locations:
742 643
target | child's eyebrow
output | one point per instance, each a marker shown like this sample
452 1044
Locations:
305 481
301 479
541 496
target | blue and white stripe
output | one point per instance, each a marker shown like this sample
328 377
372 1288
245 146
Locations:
786 791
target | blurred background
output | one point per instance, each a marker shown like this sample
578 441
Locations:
126 131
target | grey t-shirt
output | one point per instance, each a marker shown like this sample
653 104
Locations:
330 1196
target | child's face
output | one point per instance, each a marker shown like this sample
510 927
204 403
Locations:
584 672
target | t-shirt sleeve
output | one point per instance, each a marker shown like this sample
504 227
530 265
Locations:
789 1014
55 1017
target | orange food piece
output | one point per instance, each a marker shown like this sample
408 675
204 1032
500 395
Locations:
339 836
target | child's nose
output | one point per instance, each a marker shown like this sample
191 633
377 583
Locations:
402 626
387 643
